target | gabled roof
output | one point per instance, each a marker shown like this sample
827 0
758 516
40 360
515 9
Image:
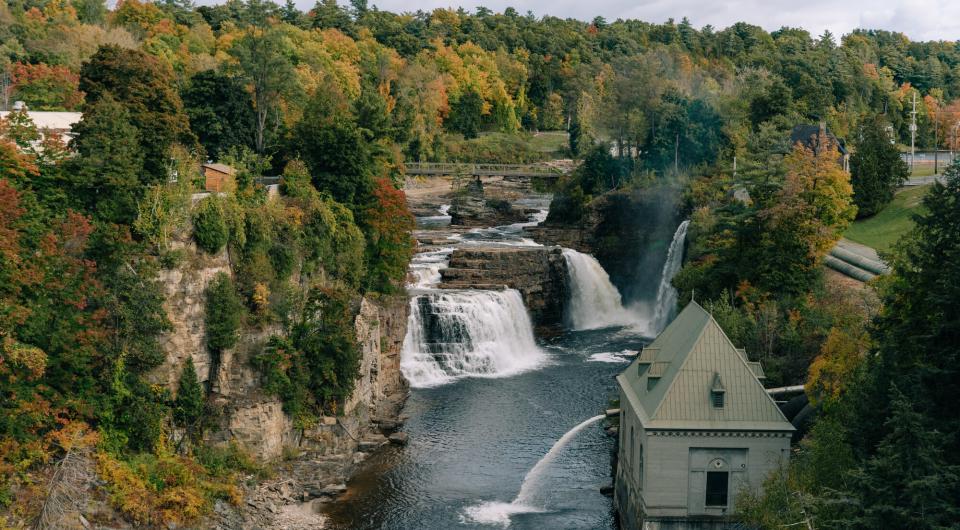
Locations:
222 168
690 357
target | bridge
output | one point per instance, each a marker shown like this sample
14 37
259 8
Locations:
483 170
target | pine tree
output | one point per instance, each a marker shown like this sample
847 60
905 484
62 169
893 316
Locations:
188 406
876 169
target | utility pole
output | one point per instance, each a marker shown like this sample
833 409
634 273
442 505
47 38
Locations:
936 137
913 131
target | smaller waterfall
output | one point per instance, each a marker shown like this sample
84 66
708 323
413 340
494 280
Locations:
666 304
500 512
452 334
425 268
594 301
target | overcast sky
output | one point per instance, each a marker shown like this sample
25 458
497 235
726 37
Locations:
919 19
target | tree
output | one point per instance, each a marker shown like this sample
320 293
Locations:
146 88
391 245
876 168
107 179
262 60
188 405
802 221
465 114
224 312
220 112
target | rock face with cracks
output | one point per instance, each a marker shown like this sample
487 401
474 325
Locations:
539 273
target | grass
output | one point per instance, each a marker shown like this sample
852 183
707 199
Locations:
884 229
549 141
924 170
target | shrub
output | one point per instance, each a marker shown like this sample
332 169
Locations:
210 226
224 313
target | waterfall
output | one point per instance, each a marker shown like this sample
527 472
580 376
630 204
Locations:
470 333
666 303
425 268
594 301
500 512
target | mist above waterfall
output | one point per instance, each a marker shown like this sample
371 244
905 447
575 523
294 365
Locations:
594 302
473 333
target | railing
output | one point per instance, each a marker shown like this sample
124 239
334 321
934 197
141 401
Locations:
490 170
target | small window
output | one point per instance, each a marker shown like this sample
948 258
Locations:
717 399
652 382
717 486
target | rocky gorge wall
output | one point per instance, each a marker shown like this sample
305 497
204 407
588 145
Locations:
323 454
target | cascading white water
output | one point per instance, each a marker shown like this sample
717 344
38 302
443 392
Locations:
666 293
500 512
471 333
594 301
425 268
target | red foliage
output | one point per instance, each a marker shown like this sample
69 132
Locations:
46 87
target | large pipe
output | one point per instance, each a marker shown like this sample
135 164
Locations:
846 268
865 263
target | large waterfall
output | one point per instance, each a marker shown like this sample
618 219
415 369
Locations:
666 303
452 334
594 301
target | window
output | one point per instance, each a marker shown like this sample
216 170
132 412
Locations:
652 382
717 399
717 485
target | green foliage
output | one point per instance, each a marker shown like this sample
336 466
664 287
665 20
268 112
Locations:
314 369
876 169
465 114
145 87
107 179
220 111
224 313
210 229
189 403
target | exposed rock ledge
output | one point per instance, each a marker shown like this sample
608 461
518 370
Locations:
539 273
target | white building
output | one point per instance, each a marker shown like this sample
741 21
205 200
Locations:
696 427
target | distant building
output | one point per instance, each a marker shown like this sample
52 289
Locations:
810 137
218 178
696 427
59 122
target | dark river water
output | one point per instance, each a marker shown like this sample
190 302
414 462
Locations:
476 432
473 441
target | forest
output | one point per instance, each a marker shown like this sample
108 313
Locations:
335 100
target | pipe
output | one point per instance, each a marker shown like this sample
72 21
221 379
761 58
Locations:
861 261
847 269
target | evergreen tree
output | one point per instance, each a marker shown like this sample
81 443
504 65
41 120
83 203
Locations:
107 177
224 314
465 114
188 406
221 112
876 169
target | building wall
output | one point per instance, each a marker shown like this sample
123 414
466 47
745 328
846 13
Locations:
665 488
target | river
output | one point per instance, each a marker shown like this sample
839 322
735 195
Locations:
490 403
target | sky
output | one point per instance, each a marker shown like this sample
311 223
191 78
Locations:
918 19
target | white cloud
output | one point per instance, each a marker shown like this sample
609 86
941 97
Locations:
919 19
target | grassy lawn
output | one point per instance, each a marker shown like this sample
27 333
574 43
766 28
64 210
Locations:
884 229
924 170
549 141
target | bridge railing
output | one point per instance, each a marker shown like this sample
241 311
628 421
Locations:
504 170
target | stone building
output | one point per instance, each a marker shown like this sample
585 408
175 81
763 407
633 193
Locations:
696 428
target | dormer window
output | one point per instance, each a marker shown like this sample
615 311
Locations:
652 382
717 392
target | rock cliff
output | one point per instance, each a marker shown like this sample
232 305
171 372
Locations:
323 454
539 273
472 207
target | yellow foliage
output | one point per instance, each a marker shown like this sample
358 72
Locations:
839 356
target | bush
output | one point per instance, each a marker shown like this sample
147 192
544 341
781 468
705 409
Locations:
224 313
210 226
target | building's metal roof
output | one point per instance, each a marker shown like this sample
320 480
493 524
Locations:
691 354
